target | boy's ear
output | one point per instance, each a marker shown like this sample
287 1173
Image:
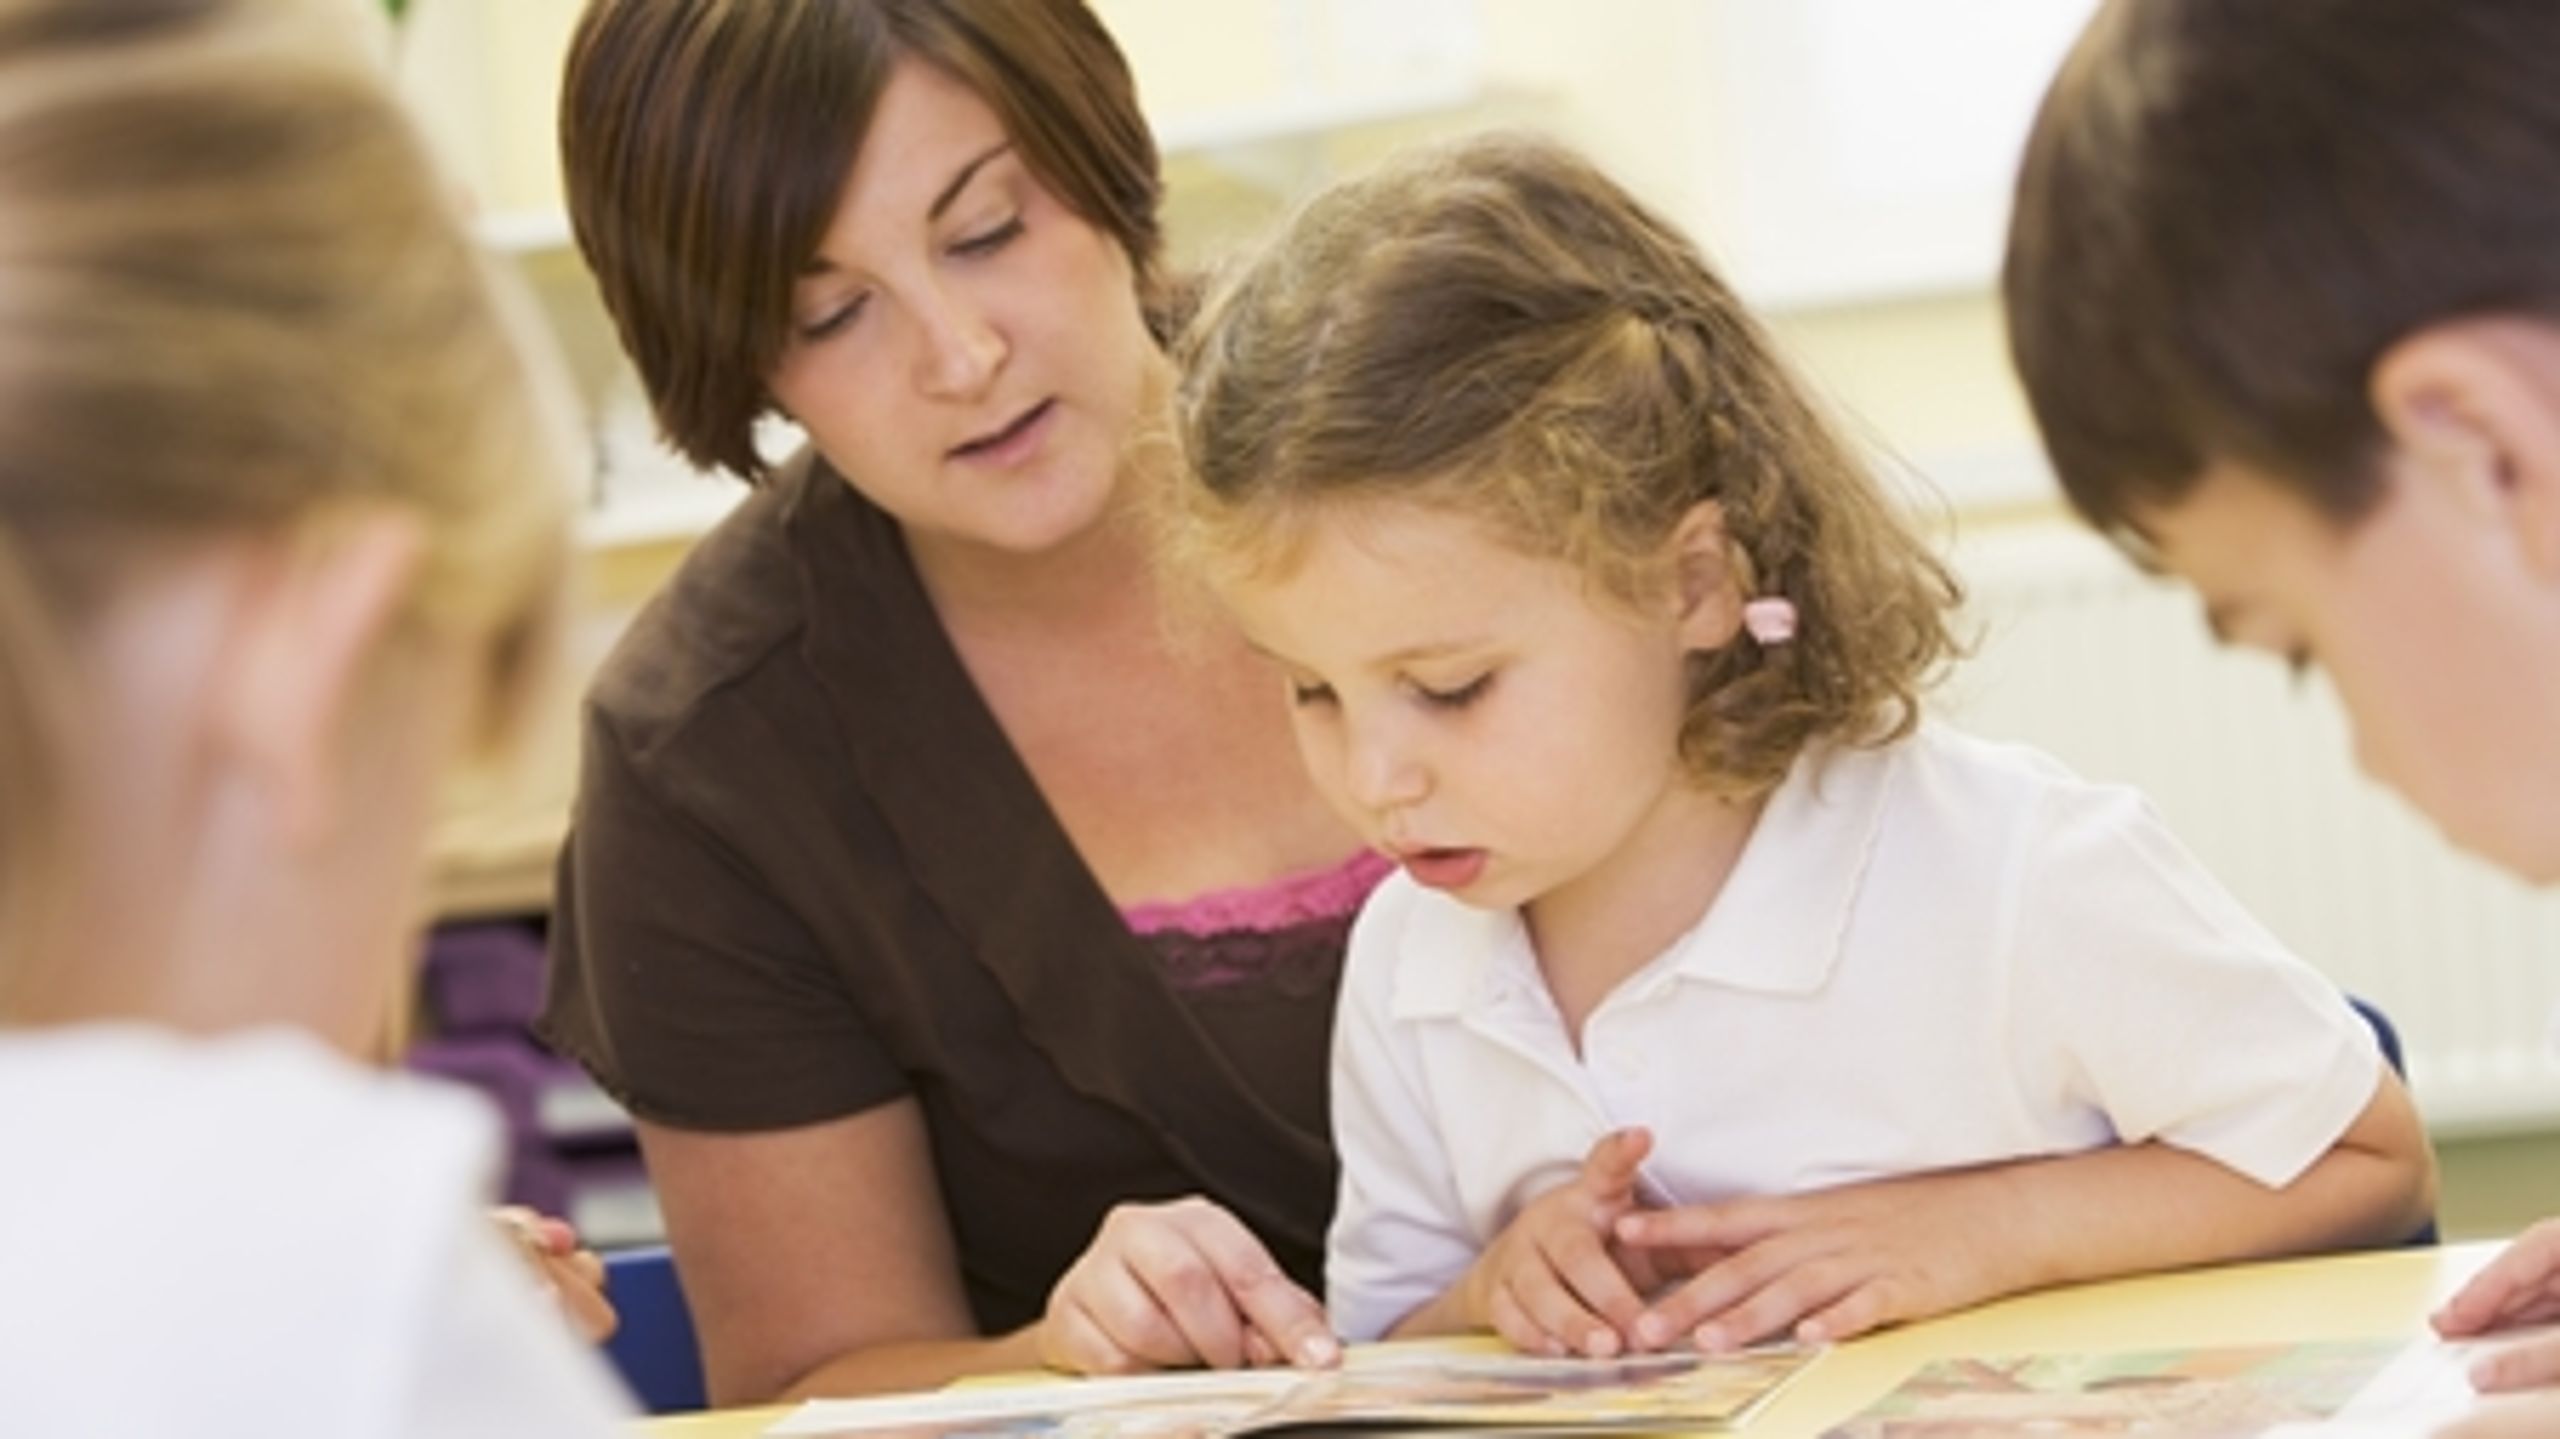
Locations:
1710 590
288 709
2474 404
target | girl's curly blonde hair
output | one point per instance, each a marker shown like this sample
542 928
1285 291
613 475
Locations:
1495 328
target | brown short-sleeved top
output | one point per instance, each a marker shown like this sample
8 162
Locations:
807 875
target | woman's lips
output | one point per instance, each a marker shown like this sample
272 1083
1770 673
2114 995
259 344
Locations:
1011 443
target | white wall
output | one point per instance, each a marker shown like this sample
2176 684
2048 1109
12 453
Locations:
1644 85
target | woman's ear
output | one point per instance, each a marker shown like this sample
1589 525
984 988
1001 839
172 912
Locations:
2474 405
1710 589
305 644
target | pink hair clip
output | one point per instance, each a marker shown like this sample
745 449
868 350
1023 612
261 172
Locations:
1771 620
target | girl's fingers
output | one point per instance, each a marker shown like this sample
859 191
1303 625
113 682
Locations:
1555 1310
1510 1319
1852 1314
1731 1226
1611 1168
1711 1292
1599 1293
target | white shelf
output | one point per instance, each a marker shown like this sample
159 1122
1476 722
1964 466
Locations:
517 232
651 494
576 1109
659 513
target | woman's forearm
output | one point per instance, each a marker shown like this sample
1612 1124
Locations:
916 1364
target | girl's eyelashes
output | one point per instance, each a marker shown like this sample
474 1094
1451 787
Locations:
1306 693
1458 698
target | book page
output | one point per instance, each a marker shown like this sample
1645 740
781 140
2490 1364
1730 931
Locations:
1392 1387
1640 1392
2377 1386
1153 1406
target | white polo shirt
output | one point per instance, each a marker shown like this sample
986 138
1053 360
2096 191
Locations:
1944 952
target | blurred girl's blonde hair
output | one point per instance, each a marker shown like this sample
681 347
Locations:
1495 328
235 298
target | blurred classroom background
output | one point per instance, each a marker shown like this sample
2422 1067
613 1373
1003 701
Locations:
1846 161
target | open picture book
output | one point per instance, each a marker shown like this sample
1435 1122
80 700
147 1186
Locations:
1386 1388
2393 1386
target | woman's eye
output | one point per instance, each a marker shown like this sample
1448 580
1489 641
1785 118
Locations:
987 242
1458 698
1304 695
834 321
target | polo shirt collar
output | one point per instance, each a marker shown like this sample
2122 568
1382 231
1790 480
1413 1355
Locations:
1780 924
1777 928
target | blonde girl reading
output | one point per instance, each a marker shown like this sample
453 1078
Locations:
281 520
1720 995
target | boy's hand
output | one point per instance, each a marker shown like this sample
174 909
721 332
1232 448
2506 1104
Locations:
1552 1283
2507 1416
2521 1364
2519 1287
1820 1266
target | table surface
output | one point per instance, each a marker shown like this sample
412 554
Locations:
2354 1296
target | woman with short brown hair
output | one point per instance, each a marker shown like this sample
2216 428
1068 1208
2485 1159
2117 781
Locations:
963 944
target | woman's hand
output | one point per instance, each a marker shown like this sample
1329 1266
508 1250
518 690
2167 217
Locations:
569 1272
1172 1285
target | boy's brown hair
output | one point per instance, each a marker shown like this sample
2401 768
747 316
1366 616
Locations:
2230 209
705 144
1496 328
